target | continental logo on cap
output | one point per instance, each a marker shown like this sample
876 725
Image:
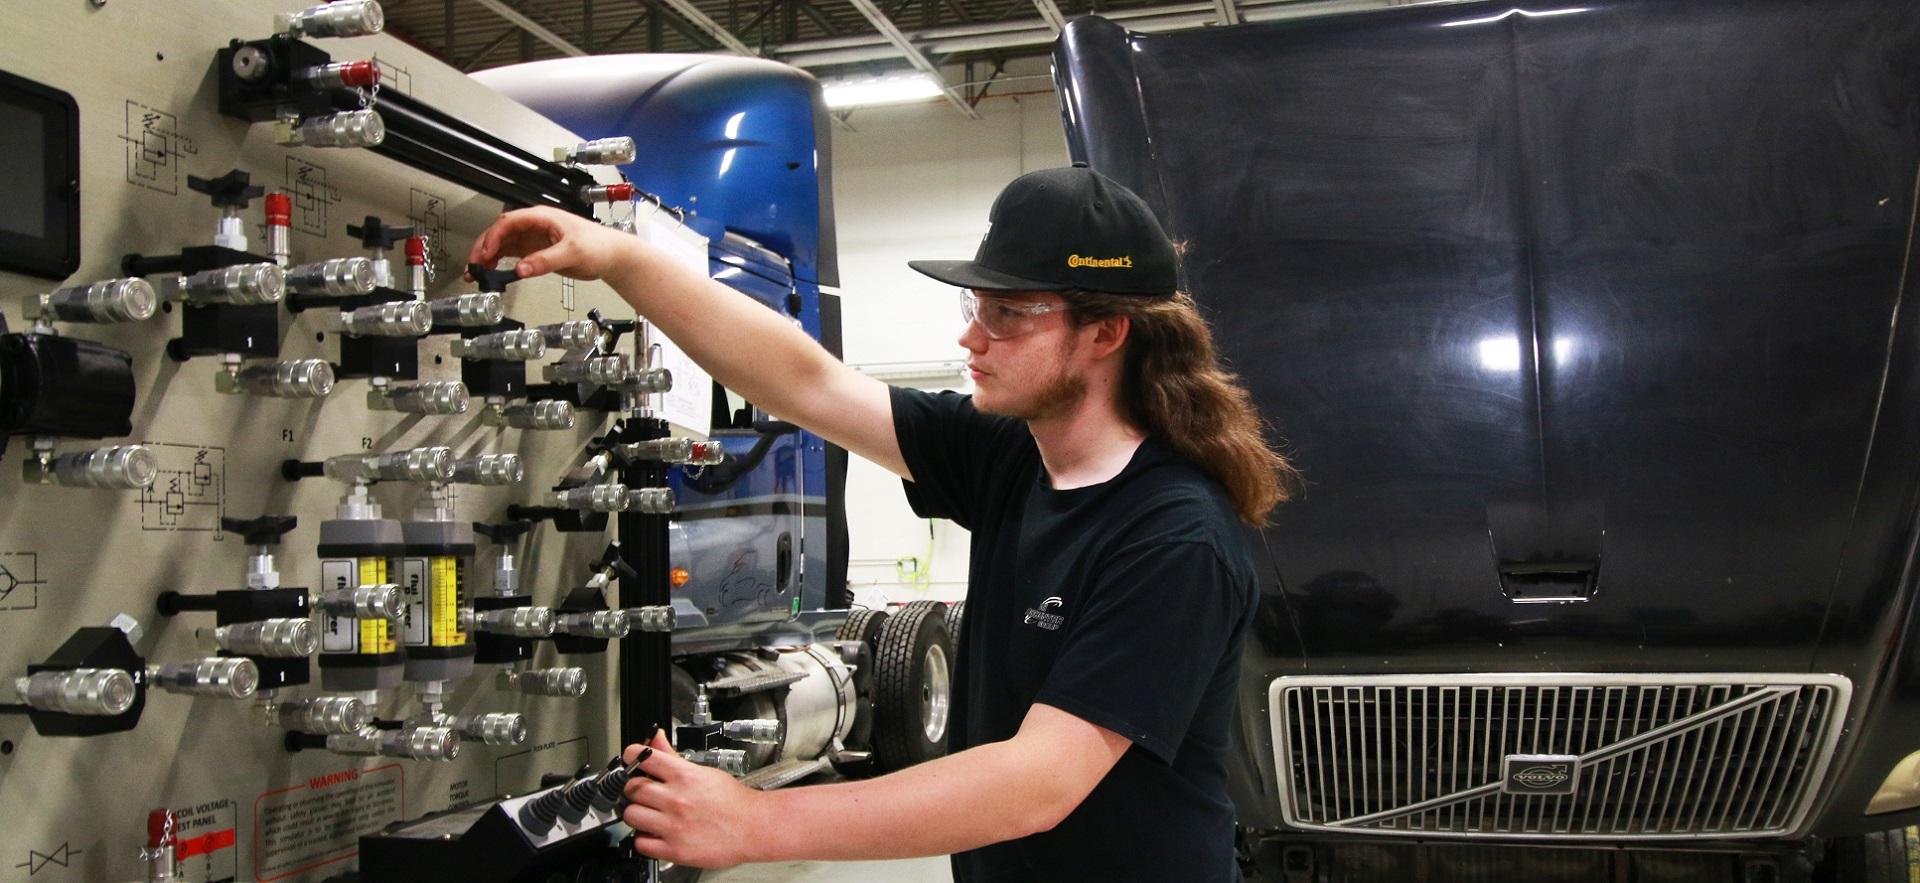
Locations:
1123 262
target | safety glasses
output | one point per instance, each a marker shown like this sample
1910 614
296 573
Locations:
1001 318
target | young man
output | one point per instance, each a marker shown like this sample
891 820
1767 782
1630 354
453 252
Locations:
1101 464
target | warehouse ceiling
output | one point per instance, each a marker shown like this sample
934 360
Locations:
971 40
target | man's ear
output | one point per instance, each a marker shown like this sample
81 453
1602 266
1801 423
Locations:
1109 334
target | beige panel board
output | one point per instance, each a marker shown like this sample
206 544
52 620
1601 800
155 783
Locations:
75 808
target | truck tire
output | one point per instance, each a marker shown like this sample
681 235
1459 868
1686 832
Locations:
955 613
913 687
1876 857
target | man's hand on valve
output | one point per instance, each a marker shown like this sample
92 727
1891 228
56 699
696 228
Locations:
686 813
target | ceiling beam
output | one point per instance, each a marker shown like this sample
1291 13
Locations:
915 57
521 21
474 60
1051 12
692 13
636 22
1229 13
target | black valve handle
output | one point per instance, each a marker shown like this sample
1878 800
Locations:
372 233
232 190
493 280
504 532
263 531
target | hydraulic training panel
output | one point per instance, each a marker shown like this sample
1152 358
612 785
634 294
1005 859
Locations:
305 534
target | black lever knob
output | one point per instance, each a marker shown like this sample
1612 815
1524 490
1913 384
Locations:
504 532
372 233
232 190
263 531
493 280
612 560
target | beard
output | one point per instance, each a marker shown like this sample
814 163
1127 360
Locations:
1061 393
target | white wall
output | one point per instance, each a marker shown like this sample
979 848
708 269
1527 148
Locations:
913 182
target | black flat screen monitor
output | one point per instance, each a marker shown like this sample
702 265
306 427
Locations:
39 179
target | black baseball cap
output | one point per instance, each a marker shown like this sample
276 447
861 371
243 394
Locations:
1057 229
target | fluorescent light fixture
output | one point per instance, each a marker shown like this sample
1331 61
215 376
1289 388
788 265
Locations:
1527 13
881 90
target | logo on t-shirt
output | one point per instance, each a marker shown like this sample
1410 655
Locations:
1043 616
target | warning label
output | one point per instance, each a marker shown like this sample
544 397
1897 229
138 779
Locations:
306 826
205 833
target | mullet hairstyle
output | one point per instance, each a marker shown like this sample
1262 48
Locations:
1173 387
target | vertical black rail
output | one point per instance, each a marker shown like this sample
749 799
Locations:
646 690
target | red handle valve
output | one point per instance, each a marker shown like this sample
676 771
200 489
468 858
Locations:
160 829
279 210
360 75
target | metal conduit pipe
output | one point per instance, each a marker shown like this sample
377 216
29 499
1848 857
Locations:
1036 31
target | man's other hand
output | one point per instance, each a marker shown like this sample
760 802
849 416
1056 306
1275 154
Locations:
689 814
548 240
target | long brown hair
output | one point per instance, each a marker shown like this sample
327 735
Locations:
1174 388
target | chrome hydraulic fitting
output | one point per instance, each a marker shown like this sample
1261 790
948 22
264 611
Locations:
650 500
296 379
600 624
489 469
550 414
757 732
518 622
278 638
523 345
657 618
645 381
374 601
480 310
114 300
426 397
414 464
492 728
85 691
683 451
399 319
569 682
593 498
345 18
572 336
225 677
594 370
432 743
239 285
118 467
335 277
331 715
732 761
601 152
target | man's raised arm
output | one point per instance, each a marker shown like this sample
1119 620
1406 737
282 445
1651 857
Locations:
750 349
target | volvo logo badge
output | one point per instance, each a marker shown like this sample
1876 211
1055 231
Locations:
1540 774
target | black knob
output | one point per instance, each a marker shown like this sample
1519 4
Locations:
263 531
374 234
294 470
611 560
493 280
504 532
232 190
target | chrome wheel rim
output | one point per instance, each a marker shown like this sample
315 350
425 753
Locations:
935 694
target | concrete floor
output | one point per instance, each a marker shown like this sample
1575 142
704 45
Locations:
918 870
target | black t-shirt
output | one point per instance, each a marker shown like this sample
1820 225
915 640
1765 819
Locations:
1123 604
